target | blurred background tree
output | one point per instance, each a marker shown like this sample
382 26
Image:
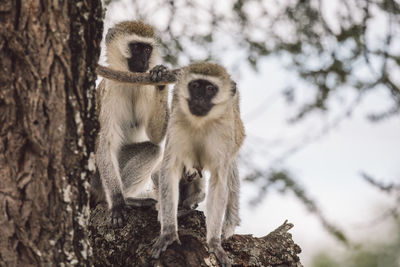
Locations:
327 43
330 47
371 253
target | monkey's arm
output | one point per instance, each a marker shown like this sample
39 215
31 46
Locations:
136 77
158 119
156 126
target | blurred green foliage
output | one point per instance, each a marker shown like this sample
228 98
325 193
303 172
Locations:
283 182
385 254
329 45
376 253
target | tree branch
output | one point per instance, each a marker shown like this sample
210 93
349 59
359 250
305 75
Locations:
135 77
131 245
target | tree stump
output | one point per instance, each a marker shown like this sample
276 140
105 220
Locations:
131 245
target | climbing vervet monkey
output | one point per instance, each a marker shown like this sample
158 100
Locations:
133 118
205 132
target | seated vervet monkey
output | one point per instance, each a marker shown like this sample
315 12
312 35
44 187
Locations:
133 119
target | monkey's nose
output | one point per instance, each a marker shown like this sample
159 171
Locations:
199 101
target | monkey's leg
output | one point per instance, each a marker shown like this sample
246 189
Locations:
136 163
107 164
168 201
217 198
232 210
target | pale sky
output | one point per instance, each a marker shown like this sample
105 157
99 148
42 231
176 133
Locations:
328 168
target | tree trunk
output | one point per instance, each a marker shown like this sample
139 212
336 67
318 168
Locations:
48 54
131 245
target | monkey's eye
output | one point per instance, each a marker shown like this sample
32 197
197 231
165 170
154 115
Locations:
135 47
147 50
194 85
210 89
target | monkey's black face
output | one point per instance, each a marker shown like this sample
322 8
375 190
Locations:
140 56
201 93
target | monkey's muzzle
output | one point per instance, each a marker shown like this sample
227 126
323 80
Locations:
199 106
135 65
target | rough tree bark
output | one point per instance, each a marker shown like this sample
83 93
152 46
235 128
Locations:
131 245
48 54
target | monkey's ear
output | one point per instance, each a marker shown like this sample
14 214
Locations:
110 34
178 73
233 88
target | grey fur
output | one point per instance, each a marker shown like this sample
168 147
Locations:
135 161
191 193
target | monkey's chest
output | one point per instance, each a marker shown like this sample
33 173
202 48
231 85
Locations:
135 117
201 152
141 106
128 103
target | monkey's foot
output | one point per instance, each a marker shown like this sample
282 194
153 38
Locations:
118 215
163 241
227 231
141 202
158 72
215 247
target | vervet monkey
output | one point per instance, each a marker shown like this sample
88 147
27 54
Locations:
205 132
133 118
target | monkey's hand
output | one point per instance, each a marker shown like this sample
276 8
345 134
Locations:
158 72
189 174
214 246
118 215
164 240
